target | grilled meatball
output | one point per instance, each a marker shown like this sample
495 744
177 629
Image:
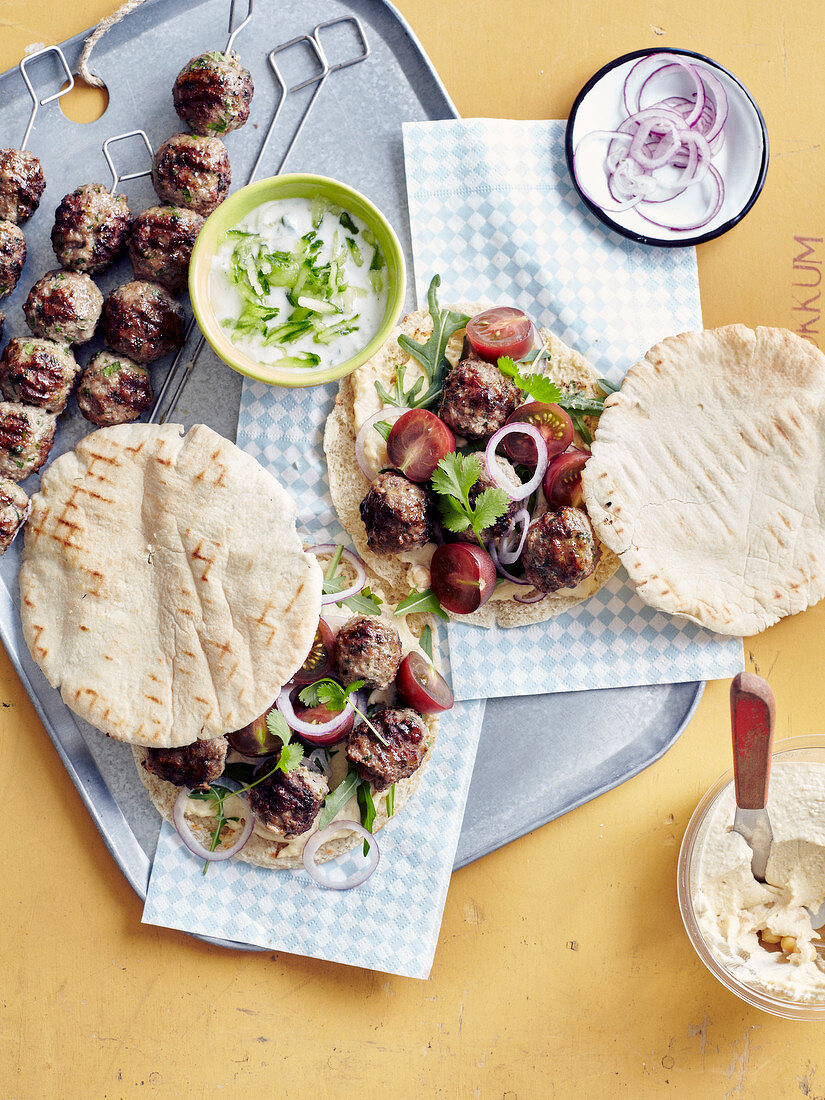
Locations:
367 649
195 766
193 172
26 438
161 245
288 802
12 256
212 93
14 511
560 550
477 399
21 185
38 372
91 228
64 306
499 528
382 765
114 390
142 321
396 514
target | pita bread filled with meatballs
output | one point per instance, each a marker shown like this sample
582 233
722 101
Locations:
455 459
339 753
165 591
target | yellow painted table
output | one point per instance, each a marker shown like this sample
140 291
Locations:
562 969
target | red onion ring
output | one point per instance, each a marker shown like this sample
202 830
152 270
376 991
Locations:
679 134
502 572
356 563
316 870
536 597
184 829
506 555
310 730
541 466
720 198
367 468
677 63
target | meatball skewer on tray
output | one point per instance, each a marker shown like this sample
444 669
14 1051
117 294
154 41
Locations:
212 93
22 184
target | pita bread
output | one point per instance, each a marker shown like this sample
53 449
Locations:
263 849
708 477
164 588
357 399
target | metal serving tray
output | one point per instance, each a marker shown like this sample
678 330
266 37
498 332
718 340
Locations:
572 747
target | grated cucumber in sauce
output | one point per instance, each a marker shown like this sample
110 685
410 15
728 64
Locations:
299 283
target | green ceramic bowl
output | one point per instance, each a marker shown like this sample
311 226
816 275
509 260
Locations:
236 207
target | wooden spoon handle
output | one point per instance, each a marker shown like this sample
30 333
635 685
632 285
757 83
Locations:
752 713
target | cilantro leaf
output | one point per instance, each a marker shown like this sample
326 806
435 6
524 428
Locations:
432 355
536 386
337 799
291 756
453 479
331 694
276 724
425 601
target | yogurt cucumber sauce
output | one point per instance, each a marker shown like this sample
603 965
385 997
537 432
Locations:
299 283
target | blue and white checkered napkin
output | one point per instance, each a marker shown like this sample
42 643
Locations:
391 923
493 211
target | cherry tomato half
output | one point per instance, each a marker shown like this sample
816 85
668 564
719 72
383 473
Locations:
551 420
255 739
417 443
317 716
321 658
421 686
563 481
462 576
504 330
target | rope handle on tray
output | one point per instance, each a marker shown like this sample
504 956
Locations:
96 35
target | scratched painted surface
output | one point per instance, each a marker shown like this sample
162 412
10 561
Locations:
562 970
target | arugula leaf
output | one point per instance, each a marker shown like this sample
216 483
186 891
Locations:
383 428
367 807
331 694
426 641
425 601
453 479
580 426
608 386
391 801
364 602
337 799
431 356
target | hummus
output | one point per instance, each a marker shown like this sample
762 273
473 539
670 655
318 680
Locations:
762 933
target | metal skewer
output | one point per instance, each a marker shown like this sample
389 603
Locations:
234 33
36 103
318 79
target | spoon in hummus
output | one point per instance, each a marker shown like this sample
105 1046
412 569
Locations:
752 713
